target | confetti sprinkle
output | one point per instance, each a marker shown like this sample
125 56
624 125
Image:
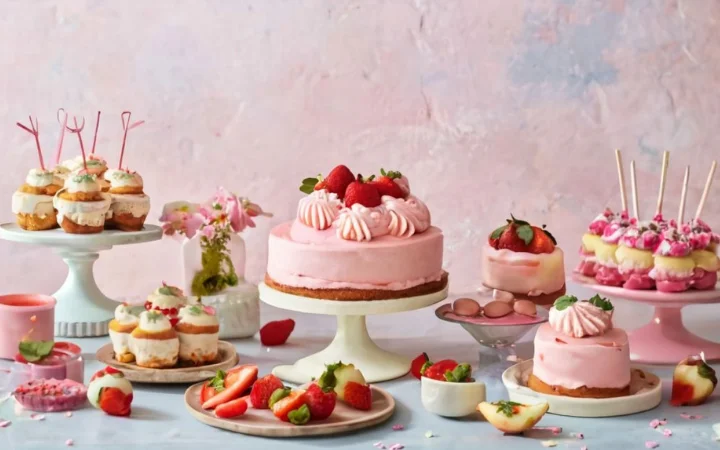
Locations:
5 423
68 414
429 434
398 427
378 445
547 444
69 442
396 447
691 416
584 447
654 423
667 432
651 444
37 417
577 435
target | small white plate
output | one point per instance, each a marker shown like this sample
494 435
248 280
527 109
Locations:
645 394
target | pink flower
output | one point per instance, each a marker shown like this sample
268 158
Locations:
208 231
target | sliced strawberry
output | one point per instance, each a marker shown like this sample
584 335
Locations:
294 400
114 401
246 375
362 192
437 370
321 402
207 392
233 375
358 395
417 365
277 332
263 389
233 408
386 185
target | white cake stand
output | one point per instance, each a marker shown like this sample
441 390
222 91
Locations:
82 310
352 343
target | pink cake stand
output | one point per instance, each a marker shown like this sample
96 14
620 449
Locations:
664 340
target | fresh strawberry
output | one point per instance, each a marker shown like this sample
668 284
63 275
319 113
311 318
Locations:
207 392
289 401
233 408
437 370
213 386
263 389
114 401
417 365
363 192
520 236
233 374
693 382
277 332
320 402
386 185
336 182
246 376
542 241
358 395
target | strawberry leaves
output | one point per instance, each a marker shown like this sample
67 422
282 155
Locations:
523 229
526 233
601 303
392 174
34 351
308 184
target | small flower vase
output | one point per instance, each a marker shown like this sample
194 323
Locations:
238 306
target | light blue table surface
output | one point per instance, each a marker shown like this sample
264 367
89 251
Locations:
160 420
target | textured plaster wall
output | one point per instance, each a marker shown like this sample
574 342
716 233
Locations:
489 107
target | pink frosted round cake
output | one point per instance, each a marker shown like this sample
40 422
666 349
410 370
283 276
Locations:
578 353
357 239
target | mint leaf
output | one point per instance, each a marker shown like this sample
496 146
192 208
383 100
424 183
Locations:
526 233
277 395
459 374
707 372
498 232
218 381
34 351
564 302
601 303
299 416
308 185
506 407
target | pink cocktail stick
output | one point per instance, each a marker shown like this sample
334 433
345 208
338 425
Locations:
58 151
97 125
35 131
127 127
78 130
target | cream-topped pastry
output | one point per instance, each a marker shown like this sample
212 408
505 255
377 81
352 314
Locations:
198 329
579 353
606 263
120 327
674 266
590 240
634 254
154 342
81 206
129 205
167 300
32 203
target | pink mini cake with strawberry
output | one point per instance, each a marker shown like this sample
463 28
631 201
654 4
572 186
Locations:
579 353
590 241
357 238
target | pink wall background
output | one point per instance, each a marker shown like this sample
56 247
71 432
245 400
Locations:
489 107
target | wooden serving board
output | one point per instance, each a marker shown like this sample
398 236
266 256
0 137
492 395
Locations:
261 422
227 358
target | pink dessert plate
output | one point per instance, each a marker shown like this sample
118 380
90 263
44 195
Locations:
645 394
227 358
664 340
261 422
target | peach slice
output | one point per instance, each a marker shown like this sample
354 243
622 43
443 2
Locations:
511 417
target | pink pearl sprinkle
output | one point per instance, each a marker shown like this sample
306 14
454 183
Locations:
579 436
5 423
69 442
68 414
690 416
398 427
667 432
651 444
37 417
654 423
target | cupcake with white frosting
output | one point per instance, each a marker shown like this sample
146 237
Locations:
32 203
154 342
198 329
120 328
129 205
167 300
81 206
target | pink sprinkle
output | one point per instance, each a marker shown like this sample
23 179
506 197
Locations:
578 435
662 421
690 416
398 427
654 423
397 447
69 442
37 417
556 430
584 447
5 423
68 414
667 432
651 444
378 445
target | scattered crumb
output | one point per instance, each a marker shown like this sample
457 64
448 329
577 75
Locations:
651 444
429 434
5 423
69 442
396 447
68 414
663 421
691 416
37 416
547 444
398 427
267 349
667 432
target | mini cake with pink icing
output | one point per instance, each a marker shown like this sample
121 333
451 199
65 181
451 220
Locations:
579 353
634 254
590 240
524 260
605 251
675 269
357 238
704 245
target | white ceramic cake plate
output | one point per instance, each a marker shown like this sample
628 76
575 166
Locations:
227 358
664 340
261 422
352 343
645 394
82 310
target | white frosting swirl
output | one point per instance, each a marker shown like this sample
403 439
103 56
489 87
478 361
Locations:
82 183
123 178
407 217
124 315
82 213
581 319
319 209
359 223
197 315
154 322
37 204
39 178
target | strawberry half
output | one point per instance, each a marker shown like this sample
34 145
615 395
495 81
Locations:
246 376
519 236
321 402
114 402
336 182
416 367
363 192
277 332
294 400
386 185
358 395
233 408
263 389
437 370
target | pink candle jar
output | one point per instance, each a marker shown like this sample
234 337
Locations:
19 315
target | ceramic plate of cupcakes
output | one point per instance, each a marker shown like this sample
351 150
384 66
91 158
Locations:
166 341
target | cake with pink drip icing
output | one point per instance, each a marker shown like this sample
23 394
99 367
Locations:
357 238
579 353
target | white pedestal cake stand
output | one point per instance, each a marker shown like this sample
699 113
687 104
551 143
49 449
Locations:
352 343
82 310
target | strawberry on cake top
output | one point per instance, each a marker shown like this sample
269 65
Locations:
357 238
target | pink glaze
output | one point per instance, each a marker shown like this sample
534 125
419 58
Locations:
51 395
641 237
16 320
596 361
638 279
700 279
597 226
587 267
673 244
304 257
510 319
521 272
609 276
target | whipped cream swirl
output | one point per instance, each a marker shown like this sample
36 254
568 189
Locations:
123 178
124 315
359 223
39 178
407 217
319 209
581 319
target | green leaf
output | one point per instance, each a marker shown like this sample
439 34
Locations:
218 381
526 233
34 351
564 302
311 180
707 372
425 367
299 416
518 221
506 407
601 303
460 374
308 185
166 290
277 395
498 232
327 379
